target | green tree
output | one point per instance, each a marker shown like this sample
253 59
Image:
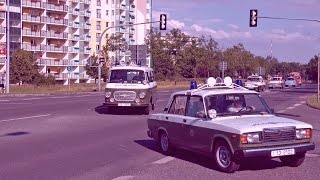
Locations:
92 68
23 67
312 69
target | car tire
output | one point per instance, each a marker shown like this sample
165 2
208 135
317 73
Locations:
293 161
146 110
164 143
223 158
153 106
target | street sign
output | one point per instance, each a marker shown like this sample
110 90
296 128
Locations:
69 68
223 66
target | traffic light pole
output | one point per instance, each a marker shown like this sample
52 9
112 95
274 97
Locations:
8 49
100 51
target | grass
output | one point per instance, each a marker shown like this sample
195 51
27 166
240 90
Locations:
312 102
83 87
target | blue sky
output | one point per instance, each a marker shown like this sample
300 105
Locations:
228 22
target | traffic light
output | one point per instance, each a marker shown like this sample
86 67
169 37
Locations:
253 18
163 22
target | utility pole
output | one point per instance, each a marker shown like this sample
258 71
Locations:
8 48
318 78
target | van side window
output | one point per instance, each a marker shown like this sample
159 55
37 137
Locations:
151 76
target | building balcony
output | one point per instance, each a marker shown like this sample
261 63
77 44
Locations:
74 50
87 26
86 50
56 21
33 33
74 24
2 30
58 49
75 1
60 35
86 13
29 18
75 12
53 62
87 2
55 7
65 76
33 3
84 76
32 47
74 37
85 38
2 15
2 1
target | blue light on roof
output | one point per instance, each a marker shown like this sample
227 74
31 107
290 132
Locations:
193 84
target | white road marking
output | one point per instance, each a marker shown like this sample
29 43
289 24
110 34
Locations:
123 178
22 118
17 103
164 160
59 97
290 107
303 102
281 111
28 99
297 105
4 100
312 155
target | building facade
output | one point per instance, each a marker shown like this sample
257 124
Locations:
64 33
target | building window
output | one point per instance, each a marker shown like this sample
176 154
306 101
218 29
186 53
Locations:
98 25
98 3
98 13
112 1
107 12
107 2
33 42
98 37
112 24
107 24
97 47
112 12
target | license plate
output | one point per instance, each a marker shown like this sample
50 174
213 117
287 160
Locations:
124 104
283 152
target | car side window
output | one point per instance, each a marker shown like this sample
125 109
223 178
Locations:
178 105
196 107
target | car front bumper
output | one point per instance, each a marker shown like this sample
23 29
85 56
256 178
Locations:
125 104
266 151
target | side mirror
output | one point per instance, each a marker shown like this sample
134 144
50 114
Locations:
212 113
165 109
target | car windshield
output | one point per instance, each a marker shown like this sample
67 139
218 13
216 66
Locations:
253 79
290 79
126 76
237 104
275 79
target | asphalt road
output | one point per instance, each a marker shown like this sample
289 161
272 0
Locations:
70 137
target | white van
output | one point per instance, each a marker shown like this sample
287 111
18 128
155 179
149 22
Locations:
131 86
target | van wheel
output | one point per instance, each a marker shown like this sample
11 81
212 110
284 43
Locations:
153 106
293 161
146 110
223 158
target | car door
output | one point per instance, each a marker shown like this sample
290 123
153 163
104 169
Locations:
175 117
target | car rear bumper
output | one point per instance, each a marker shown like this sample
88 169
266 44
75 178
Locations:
266 151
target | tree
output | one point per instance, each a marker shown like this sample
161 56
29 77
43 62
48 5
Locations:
92 69
23 67
312 68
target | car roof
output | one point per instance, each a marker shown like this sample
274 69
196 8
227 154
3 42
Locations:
134 67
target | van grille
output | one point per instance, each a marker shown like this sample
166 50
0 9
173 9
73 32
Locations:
279 134
124 95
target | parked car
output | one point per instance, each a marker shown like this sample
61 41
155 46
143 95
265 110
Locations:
290 81
228 123
276 82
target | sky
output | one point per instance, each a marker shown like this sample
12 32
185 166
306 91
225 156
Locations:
227 21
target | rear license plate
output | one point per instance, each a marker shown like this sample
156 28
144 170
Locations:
124 104
283 152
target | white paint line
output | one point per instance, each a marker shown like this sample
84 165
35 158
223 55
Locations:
22 118
17 103
290 107
297 105
303 102
28 99
60 97
160 100
164 160
4 100
123 178
282 111
312 155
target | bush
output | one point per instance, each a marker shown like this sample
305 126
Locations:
42 80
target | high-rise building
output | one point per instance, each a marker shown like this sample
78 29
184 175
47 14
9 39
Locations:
63 33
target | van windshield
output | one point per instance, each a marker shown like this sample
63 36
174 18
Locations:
126 76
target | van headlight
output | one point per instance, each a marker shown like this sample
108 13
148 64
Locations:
303 133
250 138
142 95
108 94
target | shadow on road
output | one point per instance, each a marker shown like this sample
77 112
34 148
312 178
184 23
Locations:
117 111
285 114
19 133
204 161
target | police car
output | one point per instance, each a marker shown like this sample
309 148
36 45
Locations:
229 123
131 86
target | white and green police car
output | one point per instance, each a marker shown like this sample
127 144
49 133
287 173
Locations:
131 86
204 120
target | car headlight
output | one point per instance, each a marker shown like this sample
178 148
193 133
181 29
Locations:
303 133
142 94
108 94
250 138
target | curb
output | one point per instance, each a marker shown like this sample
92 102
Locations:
310 105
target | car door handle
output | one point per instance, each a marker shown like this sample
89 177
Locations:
184 120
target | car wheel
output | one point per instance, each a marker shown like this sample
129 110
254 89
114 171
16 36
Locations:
293 161
164 143
224 158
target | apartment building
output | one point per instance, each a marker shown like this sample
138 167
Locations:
63 33
118 16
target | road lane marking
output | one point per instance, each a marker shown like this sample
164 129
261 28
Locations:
123 178
28 99
297 105
312 155
281 111
302 102
22 118
4 100
164 160
290 107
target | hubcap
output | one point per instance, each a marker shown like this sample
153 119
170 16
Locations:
223 156
164 142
